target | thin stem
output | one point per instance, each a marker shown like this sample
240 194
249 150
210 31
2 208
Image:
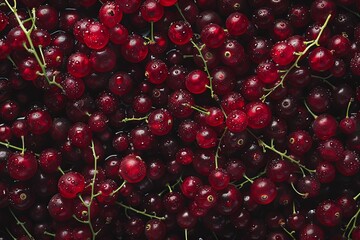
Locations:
31 47
309 110
139 212
293 207
12 236
304 195
206 69
79 220
251 180
169 187
92 190
60 169
179 10
352 223
12 61
135 119
281 154
348 107
8 145
152 40
351 11
118 189
289 233
186 234
198 108
248 179
22 225
295 64
357 196
199 49
23 145
218 148
49 234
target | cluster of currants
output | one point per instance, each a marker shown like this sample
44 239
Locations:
180 119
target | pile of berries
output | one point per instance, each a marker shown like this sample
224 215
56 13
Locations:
180 119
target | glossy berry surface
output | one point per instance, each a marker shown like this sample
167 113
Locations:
168 119
132 168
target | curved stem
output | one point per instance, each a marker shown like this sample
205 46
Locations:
309 110
118 189
304 195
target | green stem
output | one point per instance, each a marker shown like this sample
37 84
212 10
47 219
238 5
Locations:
289 233
92 190
186 234
351 11
125 120
348 107
179 10
22 225
12 61
218 148
309 110
357 196
169 187
299 56
62 171
198 108
293 207
8 145
152 40
139 212
118 189
281 154
23 145
304 195
199 49
352 223
206 68
11 235
32 49
248 179
49 234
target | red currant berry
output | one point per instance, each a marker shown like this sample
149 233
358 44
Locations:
132 168
263 191
282 53
22 166
180 32
96 36
237 121
71 184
